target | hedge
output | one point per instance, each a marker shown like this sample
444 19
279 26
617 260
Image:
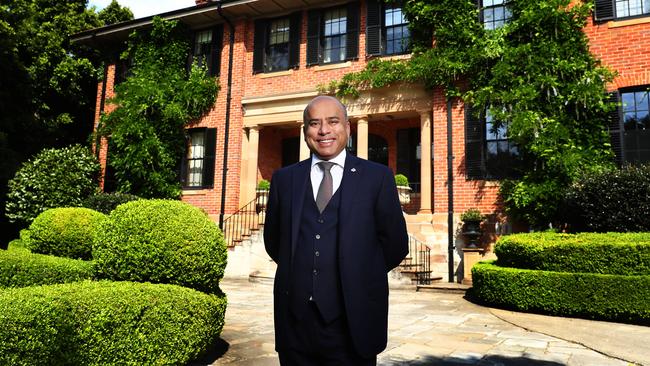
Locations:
65 232
610 253
161 241
588 295
107 323
107 202
20 268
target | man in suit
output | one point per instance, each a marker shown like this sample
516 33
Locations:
335 228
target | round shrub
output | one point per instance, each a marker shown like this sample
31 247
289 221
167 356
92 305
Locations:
20 268
53 178
617 200
161 241
65 232
107 202
107 323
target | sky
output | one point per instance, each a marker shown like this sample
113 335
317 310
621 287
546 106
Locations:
143 8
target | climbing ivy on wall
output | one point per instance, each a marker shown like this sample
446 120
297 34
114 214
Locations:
153 105
535 74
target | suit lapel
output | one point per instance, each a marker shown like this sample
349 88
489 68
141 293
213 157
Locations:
299 183
352 175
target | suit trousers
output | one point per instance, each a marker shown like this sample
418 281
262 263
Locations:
316 343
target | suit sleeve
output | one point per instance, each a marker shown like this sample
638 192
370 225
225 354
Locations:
391 227
271 223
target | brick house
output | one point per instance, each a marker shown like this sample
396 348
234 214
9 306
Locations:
280 51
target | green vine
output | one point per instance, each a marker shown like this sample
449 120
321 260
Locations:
154 104
535 75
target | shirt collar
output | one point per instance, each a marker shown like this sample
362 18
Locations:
338 159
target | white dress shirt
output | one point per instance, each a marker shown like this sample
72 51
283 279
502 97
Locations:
336 170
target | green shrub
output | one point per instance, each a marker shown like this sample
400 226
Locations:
106 202
65 232
401 180
617 200
263 185
588 295
53 178
472 214
107 323
611 253
161 241
20 268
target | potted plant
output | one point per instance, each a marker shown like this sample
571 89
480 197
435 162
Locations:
403 189
472 219
262 195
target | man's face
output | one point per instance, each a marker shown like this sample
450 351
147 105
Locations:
326 128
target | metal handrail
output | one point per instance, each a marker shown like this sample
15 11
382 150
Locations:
420 255
243 222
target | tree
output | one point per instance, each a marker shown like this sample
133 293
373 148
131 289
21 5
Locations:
535 76
48 84
154 104
114 13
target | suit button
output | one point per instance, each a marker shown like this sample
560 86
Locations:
286 293
315 271
317 236
317 253
320 221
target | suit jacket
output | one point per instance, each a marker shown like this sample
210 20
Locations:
372 240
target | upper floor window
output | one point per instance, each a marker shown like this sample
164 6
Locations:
387 31
630 127
489 154
206 50
612 9
197 169
276 44
332 34
494 13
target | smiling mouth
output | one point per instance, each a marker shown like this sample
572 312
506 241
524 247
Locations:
325 142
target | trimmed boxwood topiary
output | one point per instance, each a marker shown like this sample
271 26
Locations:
161 241
65 232
107 323
589 295
107 202
610 253
20 268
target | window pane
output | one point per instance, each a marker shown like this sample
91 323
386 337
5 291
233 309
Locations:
622 8
628 101
641 99
643 120
630 121
279 31
492 149
635 7
195 155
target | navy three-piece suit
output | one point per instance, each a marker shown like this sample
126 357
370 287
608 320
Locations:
336 260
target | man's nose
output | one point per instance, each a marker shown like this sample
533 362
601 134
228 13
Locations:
324 128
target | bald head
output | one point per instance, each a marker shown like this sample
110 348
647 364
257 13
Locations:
305 113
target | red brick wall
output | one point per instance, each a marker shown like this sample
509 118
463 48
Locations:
624 49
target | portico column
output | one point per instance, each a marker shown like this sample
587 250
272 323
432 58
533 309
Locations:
304 149
425 161
362 137
253 148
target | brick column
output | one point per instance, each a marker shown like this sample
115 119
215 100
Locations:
362 137
425 161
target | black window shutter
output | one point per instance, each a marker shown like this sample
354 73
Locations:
352 34
604 10
474 136
313 37
182 167
208 157
479 6
373 28
295 31
217 45
616 130
259 43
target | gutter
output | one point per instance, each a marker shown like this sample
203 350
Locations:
450 195
231 44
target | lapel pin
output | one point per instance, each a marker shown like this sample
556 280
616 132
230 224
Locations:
353 170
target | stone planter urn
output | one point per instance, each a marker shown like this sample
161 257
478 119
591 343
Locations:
262 195
472 231
404 193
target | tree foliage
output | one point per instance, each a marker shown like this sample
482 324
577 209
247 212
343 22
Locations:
535 75
160 97
48 85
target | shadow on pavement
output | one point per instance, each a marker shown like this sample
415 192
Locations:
494 360
218 349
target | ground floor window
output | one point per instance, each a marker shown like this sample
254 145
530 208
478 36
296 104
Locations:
198 164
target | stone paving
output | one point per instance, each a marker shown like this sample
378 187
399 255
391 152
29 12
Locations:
425 328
